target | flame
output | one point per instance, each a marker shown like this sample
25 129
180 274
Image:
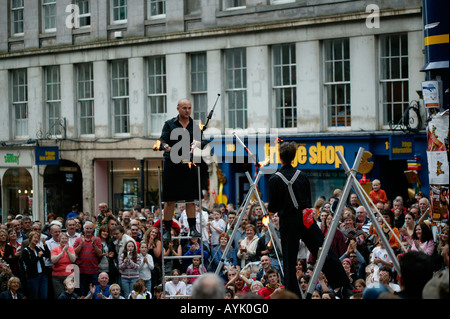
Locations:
157 145
269 244
190 164
266 220
265 162
200 125
278 140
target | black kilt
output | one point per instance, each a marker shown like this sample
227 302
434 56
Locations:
180 182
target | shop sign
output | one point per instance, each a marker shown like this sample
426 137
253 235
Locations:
401 147
48 155
314 154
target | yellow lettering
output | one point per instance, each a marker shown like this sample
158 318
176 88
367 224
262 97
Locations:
337 162
313 155
302 156
330 154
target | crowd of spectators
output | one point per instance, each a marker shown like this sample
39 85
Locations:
120 255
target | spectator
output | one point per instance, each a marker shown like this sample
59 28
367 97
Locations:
68 290
385 276
17 225
247 247
362 222
107 260
88 249
304 283
140 291
191 249
115 292
377 194
33 258
399 212
62 257
422 239
120 239
7 251
71 228
216 226
241 283
100 291
349 270
129 263
217 255
416 270
13 290
153 238
175 287
195 269
380 257
172 248
266 264
273 287
146 266
392 235
208 286
424 204
407 229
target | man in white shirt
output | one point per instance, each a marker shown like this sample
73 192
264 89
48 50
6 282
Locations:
71 231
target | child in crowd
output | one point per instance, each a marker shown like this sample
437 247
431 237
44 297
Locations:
129 262
194 269
69 287
147 265
377 194
139 291
114 290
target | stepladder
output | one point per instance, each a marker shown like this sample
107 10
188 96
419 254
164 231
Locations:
173 264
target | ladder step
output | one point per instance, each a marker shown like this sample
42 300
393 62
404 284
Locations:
178 296
183 257
185 276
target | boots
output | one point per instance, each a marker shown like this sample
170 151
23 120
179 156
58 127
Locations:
167 236
193 229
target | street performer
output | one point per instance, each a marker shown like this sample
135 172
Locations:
283 198
180 180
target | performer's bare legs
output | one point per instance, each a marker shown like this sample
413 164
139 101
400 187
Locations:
169 208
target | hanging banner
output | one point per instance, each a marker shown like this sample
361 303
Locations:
439 203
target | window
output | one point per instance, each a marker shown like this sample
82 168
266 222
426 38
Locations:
236 87
233 4
20 102
394 77
85 12
156 9
119 11
199 86
49 15
120 103
157 92
284 85
17 17
85 93
337 82
53 99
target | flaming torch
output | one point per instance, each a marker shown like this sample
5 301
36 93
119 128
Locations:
157 145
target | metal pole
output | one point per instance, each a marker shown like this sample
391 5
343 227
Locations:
377 226
238 222
331 232
161 218
201 216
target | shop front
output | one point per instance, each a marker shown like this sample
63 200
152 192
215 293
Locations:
18 182
127 183
317 157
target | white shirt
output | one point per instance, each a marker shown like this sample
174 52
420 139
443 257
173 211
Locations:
220 224
145 269
172 289
73 238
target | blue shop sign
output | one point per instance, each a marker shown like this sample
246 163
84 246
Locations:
48 155
401 147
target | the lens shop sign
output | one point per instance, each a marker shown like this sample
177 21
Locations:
48 155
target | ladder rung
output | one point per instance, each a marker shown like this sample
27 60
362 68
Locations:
184 257
178 296
180 276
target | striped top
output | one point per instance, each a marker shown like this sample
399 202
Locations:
87 258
